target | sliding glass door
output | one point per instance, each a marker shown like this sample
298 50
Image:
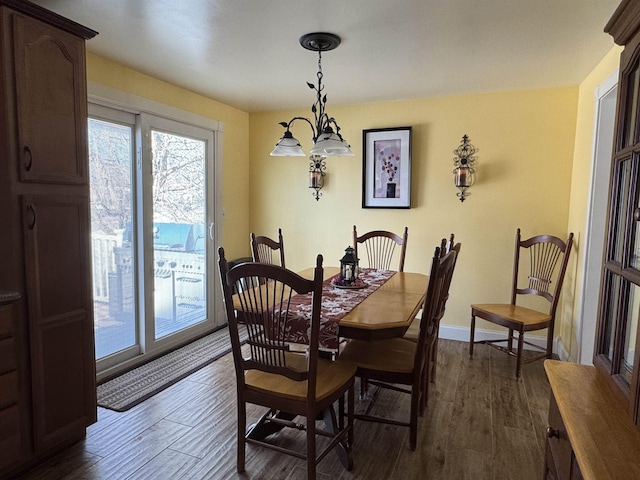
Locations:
152 205
178 206
111 164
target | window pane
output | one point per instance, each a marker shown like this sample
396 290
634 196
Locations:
632 105
110 166
621 205
634 261
609 315
179 232
630 334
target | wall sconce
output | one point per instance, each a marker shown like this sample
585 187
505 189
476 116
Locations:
464 171
316 174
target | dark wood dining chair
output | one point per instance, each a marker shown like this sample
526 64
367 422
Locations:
264 249
446 245
390 363
380 246
275 376
547 258
433 360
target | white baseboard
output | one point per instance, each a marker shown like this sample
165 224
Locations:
560 350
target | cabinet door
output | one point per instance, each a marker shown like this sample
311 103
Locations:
56 233
559 452
51 103
617 346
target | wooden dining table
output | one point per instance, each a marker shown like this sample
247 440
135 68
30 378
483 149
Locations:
384 309
385 313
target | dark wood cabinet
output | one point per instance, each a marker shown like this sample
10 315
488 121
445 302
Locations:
13 415
50 103
558 452
47 360
617 352
594 414
617 345
589 435
59 305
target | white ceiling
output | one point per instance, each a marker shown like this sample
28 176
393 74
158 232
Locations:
246 54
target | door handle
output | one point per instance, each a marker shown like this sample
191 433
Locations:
28 158
32 223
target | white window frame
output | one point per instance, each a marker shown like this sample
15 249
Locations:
128 104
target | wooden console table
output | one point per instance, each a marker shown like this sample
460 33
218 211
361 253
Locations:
590 436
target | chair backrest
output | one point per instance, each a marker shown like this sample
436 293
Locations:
379 246
266 307
435 298
446 245
263 248
449 248
547 261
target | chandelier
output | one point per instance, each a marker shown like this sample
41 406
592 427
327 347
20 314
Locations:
325 131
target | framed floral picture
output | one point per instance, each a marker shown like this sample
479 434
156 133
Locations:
386 168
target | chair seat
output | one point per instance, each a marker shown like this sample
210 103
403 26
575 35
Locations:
507 315
388 355
332 376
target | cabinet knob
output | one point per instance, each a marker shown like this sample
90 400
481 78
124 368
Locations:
553 432
636 214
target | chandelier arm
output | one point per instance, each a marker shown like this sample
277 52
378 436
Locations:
313 129
324 123
332 120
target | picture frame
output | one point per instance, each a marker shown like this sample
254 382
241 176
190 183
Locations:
386 168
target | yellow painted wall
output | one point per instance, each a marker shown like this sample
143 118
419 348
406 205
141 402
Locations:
235 149
525 142
530 174
568 330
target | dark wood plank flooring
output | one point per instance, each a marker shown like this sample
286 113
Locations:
480 424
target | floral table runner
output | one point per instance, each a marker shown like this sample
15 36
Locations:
336 303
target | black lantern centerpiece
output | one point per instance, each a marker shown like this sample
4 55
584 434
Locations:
349 268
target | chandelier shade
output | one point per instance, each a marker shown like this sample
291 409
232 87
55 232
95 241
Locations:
331 145
288 146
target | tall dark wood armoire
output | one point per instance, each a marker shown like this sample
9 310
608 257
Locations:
47 359
594 421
